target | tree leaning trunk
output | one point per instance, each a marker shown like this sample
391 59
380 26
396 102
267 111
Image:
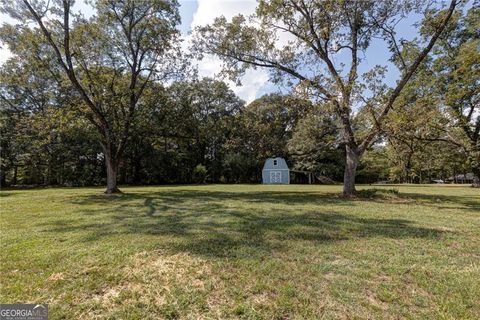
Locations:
15 171
112 169
476 181
351 164
476 177
475 164
3 178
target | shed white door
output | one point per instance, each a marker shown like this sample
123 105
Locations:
275 176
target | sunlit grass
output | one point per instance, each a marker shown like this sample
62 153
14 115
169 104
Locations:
243 251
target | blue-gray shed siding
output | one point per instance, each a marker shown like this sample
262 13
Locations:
275 171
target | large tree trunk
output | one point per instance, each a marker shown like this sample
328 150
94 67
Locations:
350 171
112 170
476 181
3 177
475 164
476 177
15 171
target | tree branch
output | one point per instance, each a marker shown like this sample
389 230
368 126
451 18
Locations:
410 71
67 65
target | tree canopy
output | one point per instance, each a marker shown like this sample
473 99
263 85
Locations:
319 33
111 98
108 59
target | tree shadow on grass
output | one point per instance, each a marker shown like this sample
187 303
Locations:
282 197
471 203
181 195
224 224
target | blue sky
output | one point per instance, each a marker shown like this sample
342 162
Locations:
256 82
187 10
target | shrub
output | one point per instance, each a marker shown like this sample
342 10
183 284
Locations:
199 174
370 193
367 193
392 191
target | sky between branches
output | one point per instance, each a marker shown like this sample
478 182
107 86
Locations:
255 83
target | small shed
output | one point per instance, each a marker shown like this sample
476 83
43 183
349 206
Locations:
275 171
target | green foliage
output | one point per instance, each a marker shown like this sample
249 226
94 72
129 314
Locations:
108 60
320 32
264 127
376 192
374 166
457 75
199 174
239 167
315 144
434 130
55 131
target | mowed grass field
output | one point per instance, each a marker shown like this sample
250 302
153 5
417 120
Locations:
243 251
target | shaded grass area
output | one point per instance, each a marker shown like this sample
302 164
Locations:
243 251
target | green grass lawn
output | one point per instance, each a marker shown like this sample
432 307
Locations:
243 251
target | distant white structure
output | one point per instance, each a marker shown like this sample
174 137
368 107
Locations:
275 171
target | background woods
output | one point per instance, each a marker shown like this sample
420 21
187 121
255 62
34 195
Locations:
111 99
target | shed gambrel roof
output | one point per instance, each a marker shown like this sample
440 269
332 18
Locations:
275 164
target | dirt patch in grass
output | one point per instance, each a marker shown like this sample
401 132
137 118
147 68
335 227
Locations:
377 195
171 285
56 277
382 195
375 301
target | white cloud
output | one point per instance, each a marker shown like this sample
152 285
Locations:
4 54
208 10
210 66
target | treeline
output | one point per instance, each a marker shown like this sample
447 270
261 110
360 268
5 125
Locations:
200 131
178 132
115 97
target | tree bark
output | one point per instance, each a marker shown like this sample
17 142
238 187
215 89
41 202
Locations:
15 171
475 163
3 179
476 181
112 169
351 164
476 177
